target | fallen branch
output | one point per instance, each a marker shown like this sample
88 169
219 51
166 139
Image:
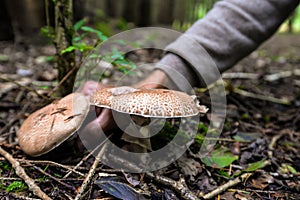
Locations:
86 157
63 80
47 162
54 178
240 75
226 186
22 174
91 173
22 85
18 196
179 186
272 145
282 74
261 97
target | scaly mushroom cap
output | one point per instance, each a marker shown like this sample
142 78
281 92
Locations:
48 127
148 102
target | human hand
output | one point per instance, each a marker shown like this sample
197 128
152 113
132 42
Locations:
104 121
98 120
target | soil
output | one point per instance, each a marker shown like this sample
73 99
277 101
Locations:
262 126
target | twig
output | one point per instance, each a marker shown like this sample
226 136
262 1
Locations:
282 74
9 124
52 163
54 178
25 87
86 157
47 162
240 75
17 196
91 173
261 97
80 163
227 185
272 144
22 174
9 179
179 186
63 80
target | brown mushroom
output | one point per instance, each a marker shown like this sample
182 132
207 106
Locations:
159 103
48 127
143 104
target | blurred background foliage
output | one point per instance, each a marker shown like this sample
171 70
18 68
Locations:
22 18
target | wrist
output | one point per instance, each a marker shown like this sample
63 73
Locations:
158 79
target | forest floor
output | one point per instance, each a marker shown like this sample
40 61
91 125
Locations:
259 145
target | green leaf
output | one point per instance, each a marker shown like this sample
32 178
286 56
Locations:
246 136
82 47
68 49
97 32
255 166
220 158
286 168
79 24
16 186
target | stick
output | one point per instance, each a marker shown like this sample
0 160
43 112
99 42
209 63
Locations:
227 185
63 80
272 144
55 179
86 157
282 74
261 97
25 87
179 186
47 162
91 173
54 164
22 174
240 75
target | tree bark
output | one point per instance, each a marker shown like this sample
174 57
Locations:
64 35
144 18
6 30
165 15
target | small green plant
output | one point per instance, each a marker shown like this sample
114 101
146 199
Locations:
16 186
85 41
220 158
5 166
83 44
80 42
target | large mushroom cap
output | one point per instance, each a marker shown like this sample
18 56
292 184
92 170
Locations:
148 102
46 128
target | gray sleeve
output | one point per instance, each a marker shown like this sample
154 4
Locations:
228 33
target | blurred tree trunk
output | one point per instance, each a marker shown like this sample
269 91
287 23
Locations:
27 17
144 13
110 7
291 22
6 30
79 10
165 15
180 10
130 10
64 34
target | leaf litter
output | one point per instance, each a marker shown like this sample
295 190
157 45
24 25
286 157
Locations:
256 156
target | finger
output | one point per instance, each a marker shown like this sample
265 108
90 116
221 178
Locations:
105 120
90 87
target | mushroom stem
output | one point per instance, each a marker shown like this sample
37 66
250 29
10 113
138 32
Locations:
141 139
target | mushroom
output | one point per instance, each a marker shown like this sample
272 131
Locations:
145 104
48 127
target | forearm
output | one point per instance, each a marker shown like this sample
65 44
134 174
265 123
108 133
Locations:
229 32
